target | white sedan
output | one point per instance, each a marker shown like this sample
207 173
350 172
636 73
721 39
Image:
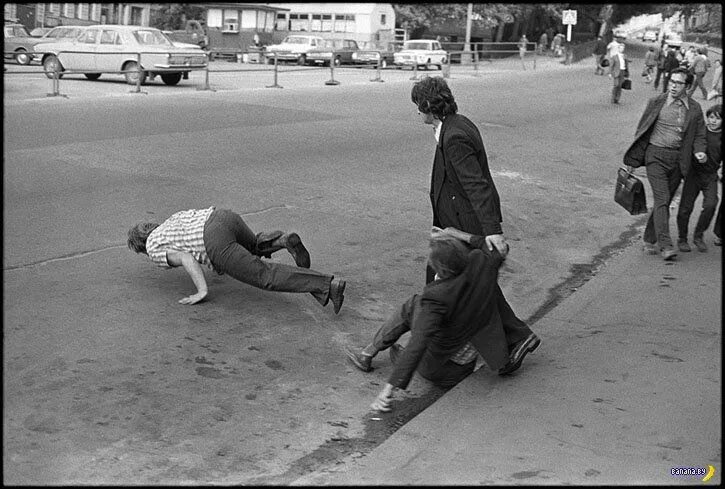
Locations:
135 51
421 52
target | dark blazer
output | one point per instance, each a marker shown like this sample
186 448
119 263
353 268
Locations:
462 191
452 312
693 141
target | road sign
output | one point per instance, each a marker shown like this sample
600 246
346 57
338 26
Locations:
568 17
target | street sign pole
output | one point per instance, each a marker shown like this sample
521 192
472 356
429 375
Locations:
568 33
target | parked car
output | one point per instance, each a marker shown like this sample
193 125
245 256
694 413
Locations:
293 48
338 50
18 44
62 33
421 52
650 36
370 54
112 48
39 31
673 40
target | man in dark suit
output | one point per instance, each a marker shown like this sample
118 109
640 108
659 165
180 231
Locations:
670 132
455 318
462 193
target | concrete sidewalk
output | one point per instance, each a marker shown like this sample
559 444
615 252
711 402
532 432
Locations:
625 386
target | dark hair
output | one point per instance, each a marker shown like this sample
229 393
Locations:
689 77
138 235
715 109
448 255
432 96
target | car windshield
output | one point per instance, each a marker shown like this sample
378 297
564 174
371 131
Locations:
295 40
15 31
332 44
416 45
63 32
151 38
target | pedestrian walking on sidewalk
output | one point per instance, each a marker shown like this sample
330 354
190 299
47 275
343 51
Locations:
716 90
543 43
661 56
600 49
670 132
650 63
620 72
699 68
702 178
455 318
522 49
221 240
671 64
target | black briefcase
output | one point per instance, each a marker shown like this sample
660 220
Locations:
629 193
627 84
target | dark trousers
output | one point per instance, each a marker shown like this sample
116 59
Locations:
660 71
665 80
699 81
399 323
235 250
617 88
696 182
663 173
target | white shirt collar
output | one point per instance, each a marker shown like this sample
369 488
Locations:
437 130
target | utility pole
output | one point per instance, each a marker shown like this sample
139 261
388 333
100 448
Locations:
466 57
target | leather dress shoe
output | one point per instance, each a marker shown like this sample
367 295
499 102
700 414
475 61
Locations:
294 245
700 245
668 254
650 248
518 352
337 289
363 362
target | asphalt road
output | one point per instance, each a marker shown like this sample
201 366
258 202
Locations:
108 379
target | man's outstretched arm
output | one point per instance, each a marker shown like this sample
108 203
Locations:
193 268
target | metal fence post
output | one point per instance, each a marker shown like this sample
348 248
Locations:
275 73
377 69
206 76
475 63
332 81
415 70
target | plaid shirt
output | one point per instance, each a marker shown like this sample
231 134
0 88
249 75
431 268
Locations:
183 231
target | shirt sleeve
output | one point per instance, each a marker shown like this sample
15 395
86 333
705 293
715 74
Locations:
157 253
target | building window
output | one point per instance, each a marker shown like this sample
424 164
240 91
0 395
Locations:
83 11
344 23
69 10
326 22
269 22
281 24
382 19
316 24
299 22
96 12
230 21
214 18
54 8
249 19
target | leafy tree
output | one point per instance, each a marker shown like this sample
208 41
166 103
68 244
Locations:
172 16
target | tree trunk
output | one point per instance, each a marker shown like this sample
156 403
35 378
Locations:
499 32
515 31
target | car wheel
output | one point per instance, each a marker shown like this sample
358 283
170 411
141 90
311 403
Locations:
51 64
171 78
22 57
133 73
92 76
302 60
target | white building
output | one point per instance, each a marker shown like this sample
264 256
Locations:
362 22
